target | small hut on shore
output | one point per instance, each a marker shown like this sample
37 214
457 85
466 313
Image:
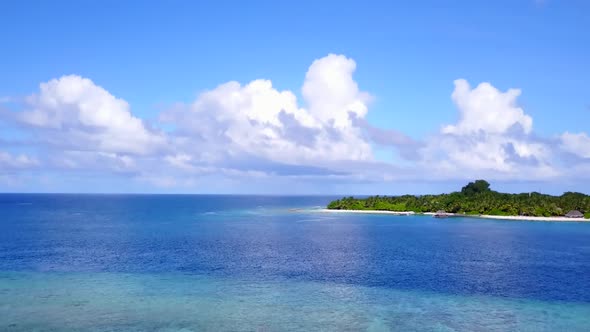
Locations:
574 214
441 214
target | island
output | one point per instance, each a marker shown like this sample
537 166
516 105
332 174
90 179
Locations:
475 199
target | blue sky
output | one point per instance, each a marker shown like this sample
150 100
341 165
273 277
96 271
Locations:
294 97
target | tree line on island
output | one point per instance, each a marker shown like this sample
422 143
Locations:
475 198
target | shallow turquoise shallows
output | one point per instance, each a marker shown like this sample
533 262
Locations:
254 263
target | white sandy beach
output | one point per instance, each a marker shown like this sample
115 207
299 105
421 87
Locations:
405 213
396 213
526 218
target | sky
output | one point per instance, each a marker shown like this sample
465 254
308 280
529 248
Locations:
294 97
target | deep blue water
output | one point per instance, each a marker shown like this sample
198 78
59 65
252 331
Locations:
183 262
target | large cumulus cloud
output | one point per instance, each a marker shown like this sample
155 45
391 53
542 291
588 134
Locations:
492 138
73 112
253 130
236 121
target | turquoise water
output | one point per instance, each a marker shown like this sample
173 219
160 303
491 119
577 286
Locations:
136 302
231 263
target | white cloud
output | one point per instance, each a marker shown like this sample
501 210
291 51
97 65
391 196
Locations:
578 144
488 156
257 120
487 109
491 138
163 181
20 161
94 161
181 161
331 92
251 130
244 133
74 111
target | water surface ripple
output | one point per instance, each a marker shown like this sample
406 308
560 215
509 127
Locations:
182 262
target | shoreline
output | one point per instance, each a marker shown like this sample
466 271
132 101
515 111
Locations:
395 213
453 215
527 218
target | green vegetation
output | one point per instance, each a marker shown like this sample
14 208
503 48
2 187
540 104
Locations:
475 198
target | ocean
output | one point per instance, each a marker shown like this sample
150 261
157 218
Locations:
274 263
